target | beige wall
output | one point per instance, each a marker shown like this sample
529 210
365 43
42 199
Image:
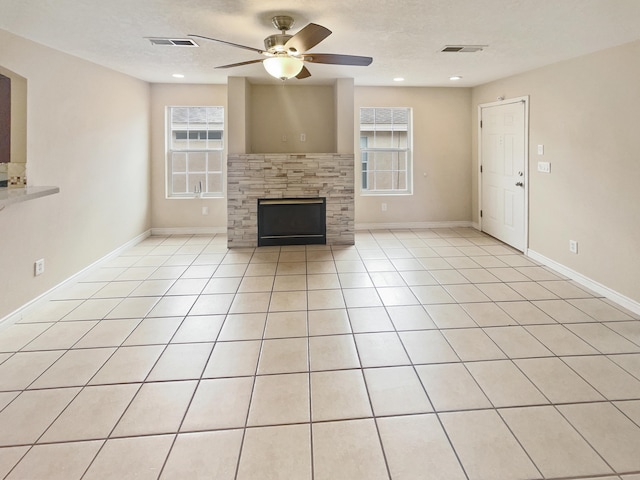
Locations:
287 110
343 100
585 113
238 131
442 144
181 212
441 156
87 132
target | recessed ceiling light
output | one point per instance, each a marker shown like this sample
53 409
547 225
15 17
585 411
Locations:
177 75
455 77
398 79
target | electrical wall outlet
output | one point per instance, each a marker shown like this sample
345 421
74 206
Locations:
573 246
384 207
38 267
205 210
303 137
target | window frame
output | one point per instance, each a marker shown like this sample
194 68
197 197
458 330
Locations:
369 160
210 134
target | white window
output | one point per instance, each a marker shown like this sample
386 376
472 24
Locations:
195 151
385 149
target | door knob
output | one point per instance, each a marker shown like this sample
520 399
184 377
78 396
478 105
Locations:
519 184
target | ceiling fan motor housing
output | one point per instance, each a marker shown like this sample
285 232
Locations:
275 43
282 22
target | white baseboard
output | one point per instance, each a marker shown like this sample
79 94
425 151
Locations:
188 230
603 290
410 225
18 313
358 226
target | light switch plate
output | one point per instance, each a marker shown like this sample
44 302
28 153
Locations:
544 167
540 149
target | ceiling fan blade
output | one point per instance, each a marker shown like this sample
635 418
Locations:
228 43
239 64
304 73
307 38
335 59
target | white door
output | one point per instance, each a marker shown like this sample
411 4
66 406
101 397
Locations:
504 172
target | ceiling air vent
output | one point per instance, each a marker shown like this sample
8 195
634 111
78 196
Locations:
173 42
463 48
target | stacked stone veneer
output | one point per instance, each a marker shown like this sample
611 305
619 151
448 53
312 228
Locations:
254 176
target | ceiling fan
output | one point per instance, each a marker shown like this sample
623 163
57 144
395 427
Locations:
286 54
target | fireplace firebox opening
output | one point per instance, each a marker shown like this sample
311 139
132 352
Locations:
292 221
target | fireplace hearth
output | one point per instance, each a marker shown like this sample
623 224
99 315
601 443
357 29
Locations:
292 221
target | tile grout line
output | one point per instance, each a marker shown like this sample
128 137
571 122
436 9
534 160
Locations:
366 386
134 396
195 390
309 388
436 413
253 386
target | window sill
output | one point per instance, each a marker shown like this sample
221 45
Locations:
195 197
9 196
385 194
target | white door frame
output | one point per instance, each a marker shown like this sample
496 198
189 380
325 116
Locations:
525 100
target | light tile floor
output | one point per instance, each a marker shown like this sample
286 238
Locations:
426 354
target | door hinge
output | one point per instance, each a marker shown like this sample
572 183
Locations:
480 213
480 123
480 168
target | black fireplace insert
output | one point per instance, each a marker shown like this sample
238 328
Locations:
292 221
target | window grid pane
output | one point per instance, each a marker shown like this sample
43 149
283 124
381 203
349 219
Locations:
196 146
385 146
389 170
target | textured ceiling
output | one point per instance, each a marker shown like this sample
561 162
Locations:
404 37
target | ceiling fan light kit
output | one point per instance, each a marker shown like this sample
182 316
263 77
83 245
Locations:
286 53
283 66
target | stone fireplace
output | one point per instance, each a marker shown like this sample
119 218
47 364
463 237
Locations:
284 175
